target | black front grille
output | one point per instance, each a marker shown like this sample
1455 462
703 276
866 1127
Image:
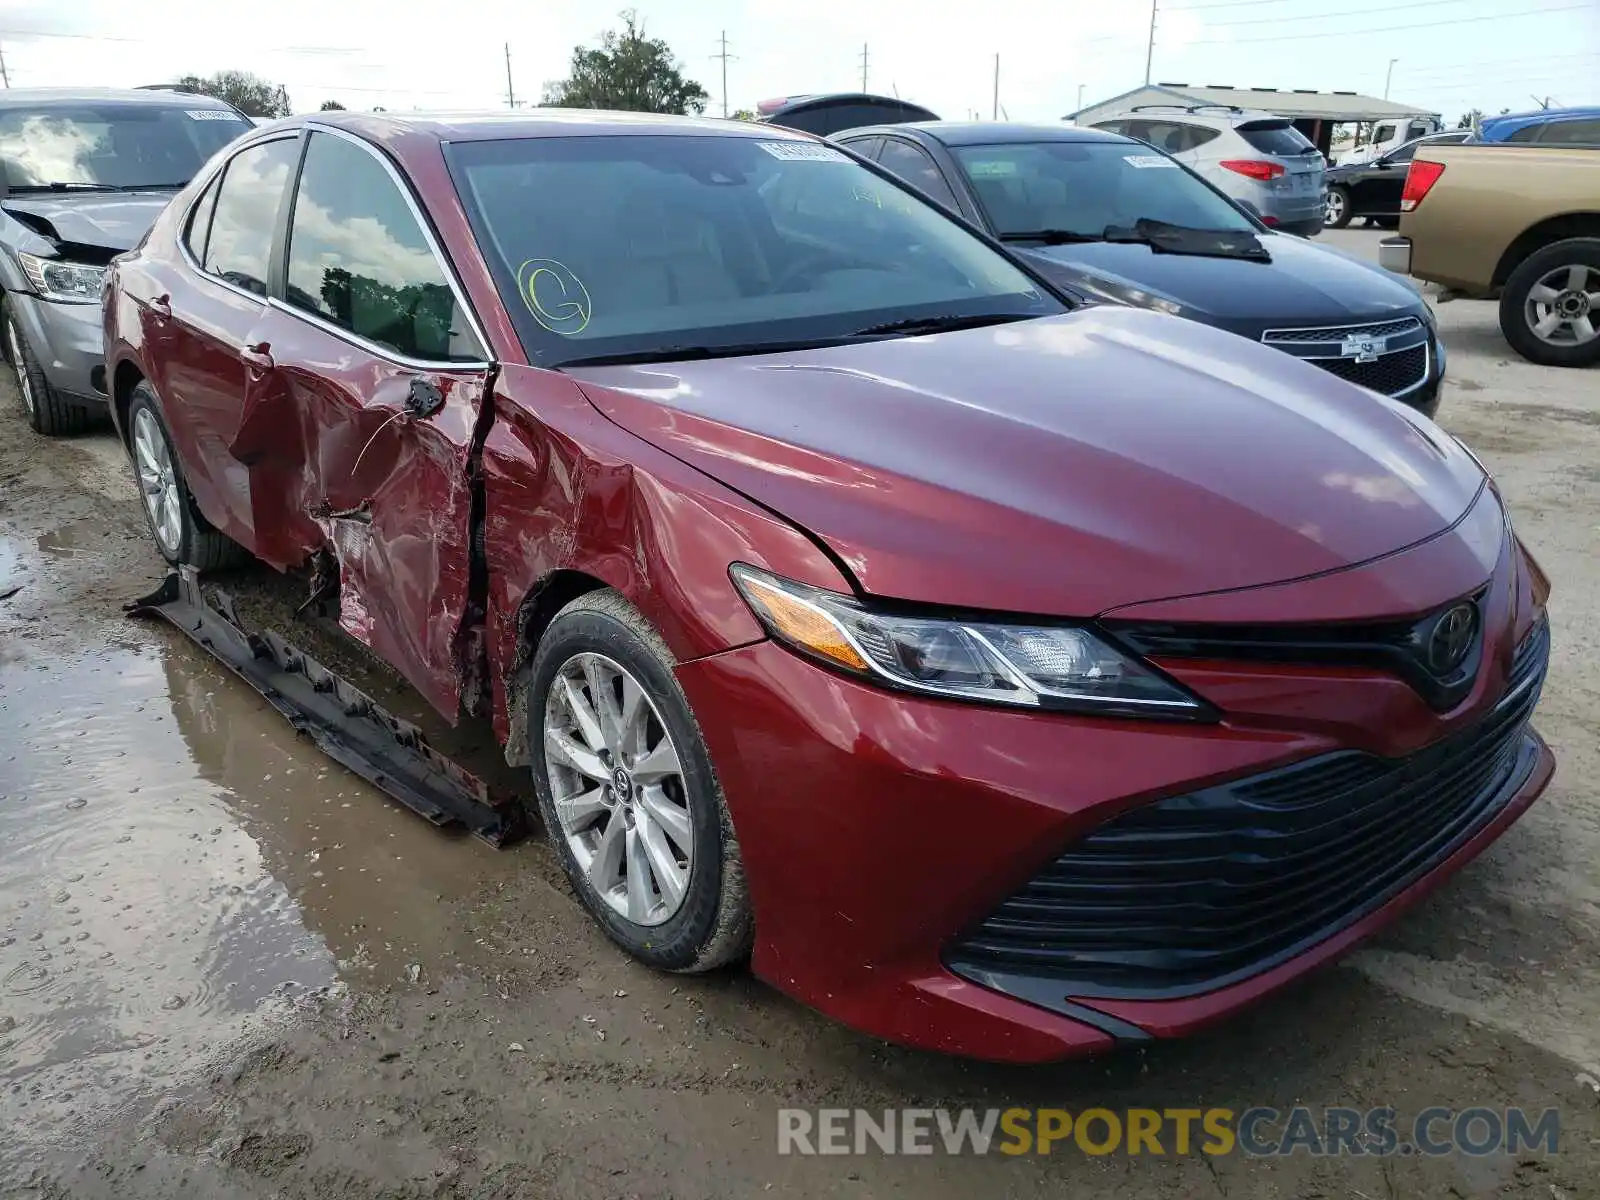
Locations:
1196 891
1279 337
1389 373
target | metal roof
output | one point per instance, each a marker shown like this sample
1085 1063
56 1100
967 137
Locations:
1329 106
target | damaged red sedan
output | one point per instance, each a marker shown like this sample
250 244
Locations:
1004 677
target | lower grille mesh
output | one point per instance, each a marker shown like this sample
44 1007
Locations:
1195 891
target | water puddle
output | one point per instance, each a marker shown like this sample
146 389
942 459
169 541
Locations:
174 862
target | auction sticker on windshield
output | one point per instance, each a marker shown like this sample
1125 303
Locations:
1142 161
803 151
210 114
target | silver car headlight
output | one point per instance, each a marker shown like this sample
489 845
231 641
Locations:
66 282
1064 667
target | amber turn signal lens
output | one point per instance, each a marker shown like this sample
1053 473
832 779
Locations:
801 623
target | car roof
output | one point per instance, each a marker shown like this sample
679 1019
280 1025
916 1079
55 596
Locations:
1511 122
163 97
988 133
535 123
1216 114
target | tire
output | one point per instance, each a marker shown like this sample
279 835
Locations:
46 411
1336 212
1541 289
692 915
182 535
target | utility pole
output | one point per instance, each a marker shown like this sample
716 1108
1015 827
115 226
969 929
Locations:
863 66
1389 78
1150 46
4 74
511 95
724 56
996 115
1080 97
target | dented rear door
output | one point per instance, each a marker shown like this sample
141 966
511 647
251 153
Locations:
375 417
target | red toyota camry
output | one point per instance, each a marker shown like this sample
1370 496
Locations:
1005 677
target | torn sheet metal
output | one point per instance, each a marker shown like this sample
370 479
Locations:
345 723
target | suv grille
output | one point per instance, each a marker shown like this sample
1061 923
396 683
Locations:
1197 891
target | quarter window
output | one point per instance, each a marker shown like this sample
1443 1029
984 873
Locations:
358 258
200 221
1571 133
918 169
246 213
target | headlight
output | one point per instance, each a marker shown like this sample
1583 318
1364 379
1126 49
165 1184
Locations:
1030 666
54 279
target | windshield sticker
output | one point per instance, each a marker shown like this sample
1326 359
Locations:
803 152
992 170
1143 161
866 196
554 296
209 114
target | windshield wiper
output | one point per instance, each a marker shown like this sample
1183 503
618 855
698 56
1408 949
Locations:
688 353
75 185
1166 238
943 323
1051 237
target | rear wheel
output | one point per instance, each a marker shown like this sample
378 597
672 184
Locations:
1550 308
626 789
47 413
182 534
1336 208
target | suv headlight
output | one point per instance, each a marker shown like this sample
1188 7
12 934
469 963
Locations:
56 279
1064 667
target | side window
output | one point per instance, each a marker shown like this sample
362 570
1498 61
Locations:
199 228
1113 126
1199 135
1528 133
1403 155
1571 133
867 147
918 169
1418 129
246 212
359 258
1382 134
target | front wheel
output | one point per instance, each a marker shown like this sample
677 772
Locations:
1550 308
46 411
627 793
1336 208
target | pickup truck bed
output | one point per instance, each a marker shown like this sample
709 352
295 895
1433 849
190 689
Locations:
1519 222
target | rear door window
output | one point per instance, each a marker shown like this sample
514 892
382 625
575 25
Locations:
358 257
1279 138
239 249
1571 133
917 168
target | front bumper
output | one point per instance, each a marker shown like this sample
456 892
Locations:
878 829
68 342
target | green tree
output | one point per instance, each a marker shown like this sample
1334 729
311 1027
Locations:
629 72
250 94
742 114
331 106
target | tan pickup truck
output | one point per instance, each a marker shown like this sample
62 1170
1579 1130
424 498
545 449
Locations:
1520 222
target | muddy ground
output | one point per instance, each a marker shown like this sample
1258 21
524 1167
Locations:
228 968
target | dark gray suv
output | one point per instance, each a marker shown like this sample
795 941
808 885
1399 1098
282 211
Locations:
83 173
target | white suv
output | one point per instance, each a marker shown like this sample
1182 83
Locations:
1250 155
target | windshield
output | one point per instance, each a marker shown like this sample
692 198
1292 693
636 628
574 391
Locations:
1084 188
111 145
626 245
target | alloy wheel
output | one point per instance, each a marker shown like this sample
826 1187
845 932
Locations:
158 481
19 364
1563 308
618 788
1334 207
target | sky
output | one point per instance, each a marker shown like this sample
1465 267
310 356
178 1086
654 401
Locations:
1452 55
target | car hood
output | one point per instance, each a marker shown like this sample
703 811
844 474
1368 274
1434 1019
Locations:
1304 283
106 220
1060 466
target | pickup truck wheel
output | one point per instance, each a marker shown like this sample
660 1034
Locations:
182 534
1550 308
627 793
1336 208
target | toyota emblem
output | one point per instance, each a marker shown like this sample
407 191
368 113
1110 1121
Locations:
1451 639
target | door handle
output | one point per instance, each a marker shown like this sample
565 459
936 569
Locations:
161 306
258 357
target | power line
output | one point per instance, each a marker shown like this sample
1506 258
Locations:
1331 16
107 37
1299 37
